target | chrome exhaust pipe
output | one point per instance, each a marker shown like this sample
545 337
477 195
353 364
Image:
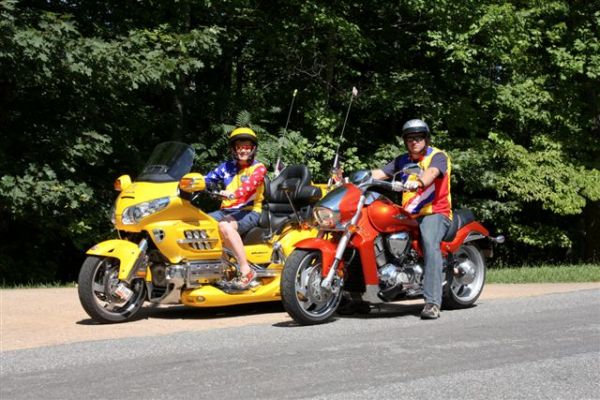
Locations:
498 239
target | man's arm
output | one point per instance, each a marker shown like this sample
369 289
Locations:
438 166
379 174
429 176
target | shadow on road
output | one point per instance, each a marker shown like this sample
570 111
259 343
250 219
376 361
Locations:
376 312
181 312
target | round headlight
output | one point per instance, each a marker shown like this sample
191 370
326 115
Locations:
326 217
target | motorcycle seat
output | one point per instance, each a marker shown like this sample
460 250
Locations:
294 181
459 219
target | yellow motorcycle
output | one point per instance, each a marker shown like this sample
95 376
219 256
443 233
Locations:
169 250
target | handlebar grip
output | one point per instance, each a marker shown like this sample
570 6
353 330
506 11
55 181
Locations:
393 186
397 186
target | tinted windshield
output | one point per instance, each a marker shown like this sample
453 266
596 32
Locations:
169 162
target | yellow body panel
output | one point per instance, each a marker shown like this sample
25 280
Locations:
210 296
126 252
259 253
174 230
139 192
323 187
290 237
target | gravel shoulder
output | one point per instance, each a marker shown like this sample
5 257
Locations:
32 318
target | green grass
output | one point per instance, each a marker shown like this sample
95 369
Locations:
523 274
545 274
32 285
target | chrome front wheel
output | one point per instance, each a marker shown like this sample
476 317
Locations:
301 292
103 296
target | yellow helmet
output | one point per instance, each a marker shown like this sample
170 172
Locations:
242 134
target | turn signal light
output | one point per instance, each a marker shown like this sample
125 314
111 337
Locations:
352 228
186 183
122 182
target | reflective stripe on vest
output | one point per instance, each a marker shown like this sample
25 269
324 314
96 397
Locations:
435 198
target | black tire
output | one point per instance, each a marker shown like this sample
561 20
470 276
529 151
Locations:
96 276
463 290
302 296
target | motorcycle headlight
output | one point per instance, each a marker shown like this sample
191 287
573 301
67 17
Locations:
134 214
326 217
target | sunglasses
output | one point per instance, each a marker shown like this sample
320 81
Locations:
247 147
418 138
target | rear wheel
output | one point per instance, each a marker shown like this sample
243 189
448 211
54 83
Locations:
301 292
466 278
98 285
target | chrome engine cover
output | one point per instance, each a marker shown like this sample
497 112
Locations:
202 272
408 276
398 244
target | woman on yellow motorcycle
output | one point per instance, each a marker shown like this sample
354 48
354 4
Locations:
243 179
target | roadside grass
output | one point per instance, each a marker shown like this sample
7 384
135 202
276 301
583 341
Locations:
564 273
34 285
544 274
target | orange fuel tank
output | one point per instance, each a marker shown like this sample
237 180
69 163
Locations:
389 217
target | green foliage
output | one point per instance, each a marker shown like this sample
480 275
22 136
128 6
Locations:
510 90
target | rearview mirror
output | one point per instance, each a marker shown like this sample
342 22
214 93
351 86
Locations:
360 176
192 182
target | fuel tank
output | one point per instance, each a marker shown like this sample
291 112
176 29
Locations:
388 217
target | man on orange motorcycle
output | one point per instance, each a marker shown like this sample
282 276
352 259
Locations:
243 178
428 199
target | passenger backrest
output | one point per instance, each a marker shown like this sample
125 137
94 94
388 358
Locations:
296 180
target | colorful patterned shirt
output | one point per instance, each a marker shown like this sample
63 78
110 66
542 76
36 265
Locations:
246 184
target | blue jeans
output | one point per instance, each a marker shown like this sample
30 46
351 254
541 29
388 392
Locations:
246 220
433 228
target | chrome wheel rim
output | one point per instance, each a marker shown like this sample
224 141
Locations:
310 296
105 281
468 282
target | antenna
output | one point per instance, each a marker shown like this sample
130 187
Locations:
336 170
278 164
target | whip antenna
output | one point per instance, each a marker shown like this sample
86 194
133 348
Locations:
278 164
336 170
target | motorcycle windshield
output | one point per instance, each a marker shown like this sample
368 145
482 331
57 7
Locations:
169 162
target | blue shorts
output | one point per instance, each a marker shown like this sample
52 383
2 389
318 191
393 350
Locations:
246 220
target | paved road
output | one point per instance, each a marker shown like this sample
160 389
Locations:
528 348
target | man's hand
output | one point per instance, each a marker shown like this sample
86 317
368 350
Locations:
411 186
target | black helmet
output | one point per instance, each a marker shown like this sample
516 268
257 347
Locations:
415 126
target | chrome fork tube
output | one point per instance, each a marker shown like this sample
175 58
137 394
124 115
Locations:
339 253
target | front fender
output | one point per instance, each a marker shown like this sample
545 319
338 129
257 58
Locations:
327 249
126 252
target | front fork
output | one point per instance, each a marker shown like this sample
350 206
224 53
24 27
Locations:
341 248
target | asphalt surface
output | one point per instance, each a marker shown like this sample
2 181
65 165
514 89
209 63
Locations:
528 348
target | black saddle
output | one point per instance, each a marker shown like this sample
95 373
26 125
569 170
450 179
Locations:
294 181
459 219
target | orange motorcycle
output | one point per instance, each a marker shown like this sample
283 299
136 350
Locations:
367 251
